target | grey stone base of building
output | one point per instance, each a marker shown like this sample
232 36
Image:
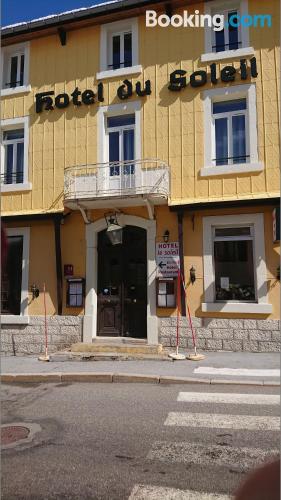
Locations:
30 339
215 334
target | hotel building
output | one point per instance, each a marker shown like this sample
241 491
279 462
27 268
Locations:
128 150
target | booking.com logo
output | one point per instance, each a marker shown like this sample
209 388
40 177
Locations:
197 20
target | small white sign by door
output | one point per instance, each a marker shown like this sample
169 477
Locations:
167 259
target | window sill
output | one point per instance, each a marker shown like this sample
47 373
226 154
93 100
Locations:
112 73
17 90
11 188
11 319
237 307
227 54
239 168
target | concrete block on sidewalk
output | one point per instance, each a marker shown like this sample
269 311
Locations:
135 378
87 377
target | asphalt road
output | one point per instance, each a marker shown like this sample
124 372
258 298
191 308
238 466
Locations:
136 441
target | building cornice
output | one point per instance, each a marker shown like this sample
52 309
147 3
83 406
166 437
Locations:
212 205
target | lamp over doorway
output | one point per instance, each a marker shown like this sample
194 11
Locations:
114 231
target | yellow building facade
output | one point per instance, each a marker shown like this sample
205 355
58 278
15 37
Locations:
166 137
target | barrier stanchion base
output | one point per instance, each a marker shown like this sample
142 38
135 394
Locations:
175 355
43 358
195 357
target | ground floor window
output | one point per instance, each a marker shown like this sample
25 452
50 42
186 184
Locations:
14 277
234 264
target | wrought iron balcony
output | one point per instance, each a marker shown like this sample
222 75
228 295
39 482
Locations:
94 185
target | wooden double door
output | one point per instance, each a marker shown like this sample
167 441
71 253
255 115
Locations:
122 285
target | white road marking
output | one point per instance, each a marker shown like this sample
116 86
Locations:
219 421
237 371
223 397
142 492
213 455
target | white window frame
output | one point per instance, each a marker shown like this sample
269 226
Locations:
11 124
219 7
7 53
107 32
210 305
133 107
247 91
121 130
121 34
23 317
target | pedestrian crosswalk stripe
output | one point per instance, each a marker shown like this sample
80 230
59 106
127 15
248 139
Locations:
211 455
142 492
238 372
219 421
222 397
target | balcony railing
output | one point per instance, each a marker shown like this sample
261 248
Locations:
149 177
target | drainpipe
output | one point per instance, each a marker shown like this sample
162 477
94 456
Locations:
180 236
57 227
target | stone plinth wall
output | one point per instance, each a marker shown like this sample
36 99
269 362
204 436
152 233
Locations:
223 334
30 339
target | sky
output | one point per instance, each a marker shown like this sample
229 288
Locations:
16 11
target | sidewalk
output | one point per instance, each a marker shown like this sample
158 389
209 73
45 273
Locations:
217 367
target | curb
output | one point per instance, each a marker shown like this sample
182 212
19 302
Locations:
106 377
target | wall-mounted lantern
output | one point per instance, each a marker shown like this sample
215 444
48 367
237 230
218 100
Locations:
35 291
114 231
192 275
166 236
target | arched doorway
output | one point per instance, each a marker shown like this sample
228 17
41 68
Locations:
122 285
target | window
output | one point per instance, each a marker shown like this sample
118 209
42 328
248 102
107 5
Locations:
230 37
14 161
13 142
121 143
14 278
234 264
230 122
229 119
15 68
119 49
230 42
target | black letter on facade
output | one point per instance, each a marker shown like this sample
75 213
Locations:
197 83
44 101
177 80
146 91
228 74
214 73
243 69
100 92
62 101
123 93
254 71
74 96
88 97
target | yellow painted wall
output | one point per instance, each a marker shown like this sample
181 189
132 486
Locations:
173 127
